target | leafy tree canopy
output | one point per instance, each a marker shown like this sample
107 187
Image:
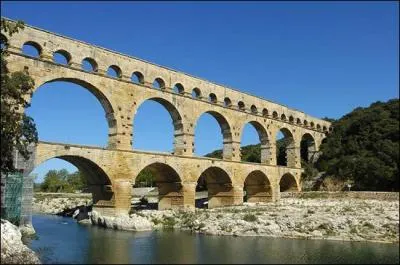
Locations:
364 147
18 130
63 181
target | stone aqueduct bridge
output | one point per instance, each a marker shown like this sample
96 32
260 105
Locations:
112 171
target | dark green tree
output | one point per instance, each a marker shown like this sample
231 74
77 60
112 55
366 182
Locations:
364 147
18 130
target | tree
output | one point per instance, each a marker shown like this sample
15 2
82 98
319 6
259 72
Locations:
18 130
364 148
63 181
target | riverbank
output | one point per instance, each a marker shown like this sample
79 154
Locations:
310 216
57 203
333 219
13 250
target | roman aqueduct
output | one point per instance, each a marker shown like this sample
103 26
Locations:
111 171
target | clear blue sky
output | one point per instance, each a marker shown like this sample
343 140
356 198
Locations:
324 58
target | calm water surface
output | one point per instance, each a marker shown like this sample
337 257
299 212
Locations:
62 240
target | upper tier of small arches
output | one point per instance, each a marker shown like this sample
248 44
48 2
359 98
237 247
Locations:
156 81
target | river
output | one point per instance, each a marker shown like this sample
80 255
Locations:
62 240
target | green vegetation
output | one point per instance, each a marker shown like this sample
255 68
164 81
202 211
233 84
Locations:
63 181
250 217
364 148
145 179
18 130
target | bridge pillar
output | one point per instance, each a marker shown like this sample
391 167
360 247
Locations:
119 137
176 195
276 192
231 151
183 144
272 153
112 200
258 193
293 156
224 195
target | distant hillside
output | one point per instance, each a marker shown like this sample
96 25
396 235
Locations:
252 153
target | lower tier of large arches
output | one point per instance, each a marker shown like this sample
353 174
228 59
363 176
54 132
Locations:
113 173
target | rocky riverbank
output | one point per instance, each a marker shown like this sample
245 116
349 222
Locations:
333 219
312 216
59 203
13 251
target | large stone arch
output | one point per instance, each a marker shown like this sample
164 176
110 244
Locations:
169 184
104 100
176 117
288 183
99 181
258 187
225 130
264 140
308 148
290 150
219 186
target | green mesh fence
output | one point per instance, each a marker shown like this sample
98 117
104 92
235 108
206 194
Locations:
12 197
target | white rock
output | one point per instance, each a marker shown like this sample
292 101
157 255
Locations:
13 251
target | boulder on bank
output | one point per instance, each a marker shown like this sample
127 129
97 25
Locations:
124 222
13 251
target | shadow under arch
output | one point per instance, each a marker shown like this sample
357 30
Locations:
176 122
288 183
168 182
257 187
225 130
286 152
218 185
99 183
265 152
308 150
104 101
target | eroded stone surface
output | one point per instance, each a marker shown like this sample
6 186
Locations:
13 251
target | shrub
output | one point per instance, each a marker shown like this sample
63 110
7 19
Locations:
250 217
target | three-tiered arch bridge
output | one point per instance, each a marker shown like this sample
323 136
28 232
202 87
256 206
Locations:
112 171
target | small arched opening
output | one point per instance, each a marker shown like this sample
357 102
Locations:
241 106
114 71
32 49
196 93
62 57
265 112
227 102
212 98
137 78
178 88
253 109
158 83
89 65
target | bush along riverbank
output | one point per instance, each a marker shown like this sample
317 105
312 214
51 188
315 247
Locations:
307 217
